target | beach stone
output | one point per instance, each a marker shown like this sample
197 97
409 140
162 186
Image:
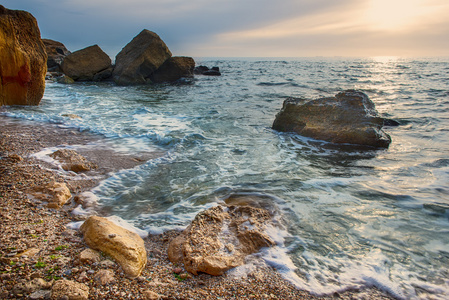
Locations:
140 58
104 276
349 117
30 286
89 256
73 161
201 246
23 59
82 65
126 247
41 294
55 193
150 295
56 52
67 289
173 69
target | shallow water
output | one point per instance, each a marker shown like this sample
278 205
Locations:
352 217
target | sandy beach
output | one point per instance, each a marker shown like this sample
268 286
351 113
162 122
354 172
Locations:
36 241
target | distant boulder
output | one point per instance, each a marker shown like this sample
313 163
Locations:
56 52
173 69
203 70
349 117
140 58
23 60
84 64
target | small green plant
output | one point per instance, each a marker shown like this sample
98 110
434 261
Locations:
177 276
12 263
40 264
61 247
34 235
53 257
50 277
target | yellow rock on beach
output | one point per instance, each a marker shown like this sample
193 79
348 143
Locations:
125 247
23 59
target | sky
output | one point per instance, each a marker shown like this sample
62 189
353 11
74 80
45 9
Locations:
250 28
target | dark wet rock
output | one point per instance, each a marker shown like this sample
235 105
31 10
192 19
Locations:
173 69
84 64
391 122
56 52
23 60
349 117
137 61
203 70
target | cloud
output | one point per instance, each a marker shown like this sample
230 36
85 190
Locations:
228 27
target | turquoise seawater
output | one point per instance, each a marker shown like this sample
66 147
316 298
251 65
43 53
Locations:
351 217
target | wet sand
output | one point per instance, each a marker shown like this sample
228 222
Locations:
36 241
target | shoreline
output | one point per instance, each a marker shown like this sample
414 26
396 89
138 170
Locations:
36 243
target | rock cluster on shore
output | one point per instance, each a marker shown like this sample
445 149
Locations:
144 60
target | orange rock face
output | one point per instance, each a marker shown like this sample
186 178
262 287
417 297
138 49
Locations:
23 60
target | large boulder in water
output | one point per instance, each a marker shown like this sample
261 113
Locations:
56 52
140 58
173 69
84 64
349 117
23 61
124 246
219 239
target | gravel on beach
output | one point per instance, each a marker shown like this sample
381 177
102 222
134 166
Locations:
38 248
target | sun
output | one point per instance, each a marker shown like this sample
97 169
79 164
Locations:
395 15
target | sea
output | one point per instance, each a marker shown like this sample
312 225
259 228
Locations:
348 217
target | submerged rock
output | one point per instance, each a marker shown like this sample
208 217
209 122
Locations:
23 59
73 161
219 239
84 64
140 58
203 70
349 117
124 246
